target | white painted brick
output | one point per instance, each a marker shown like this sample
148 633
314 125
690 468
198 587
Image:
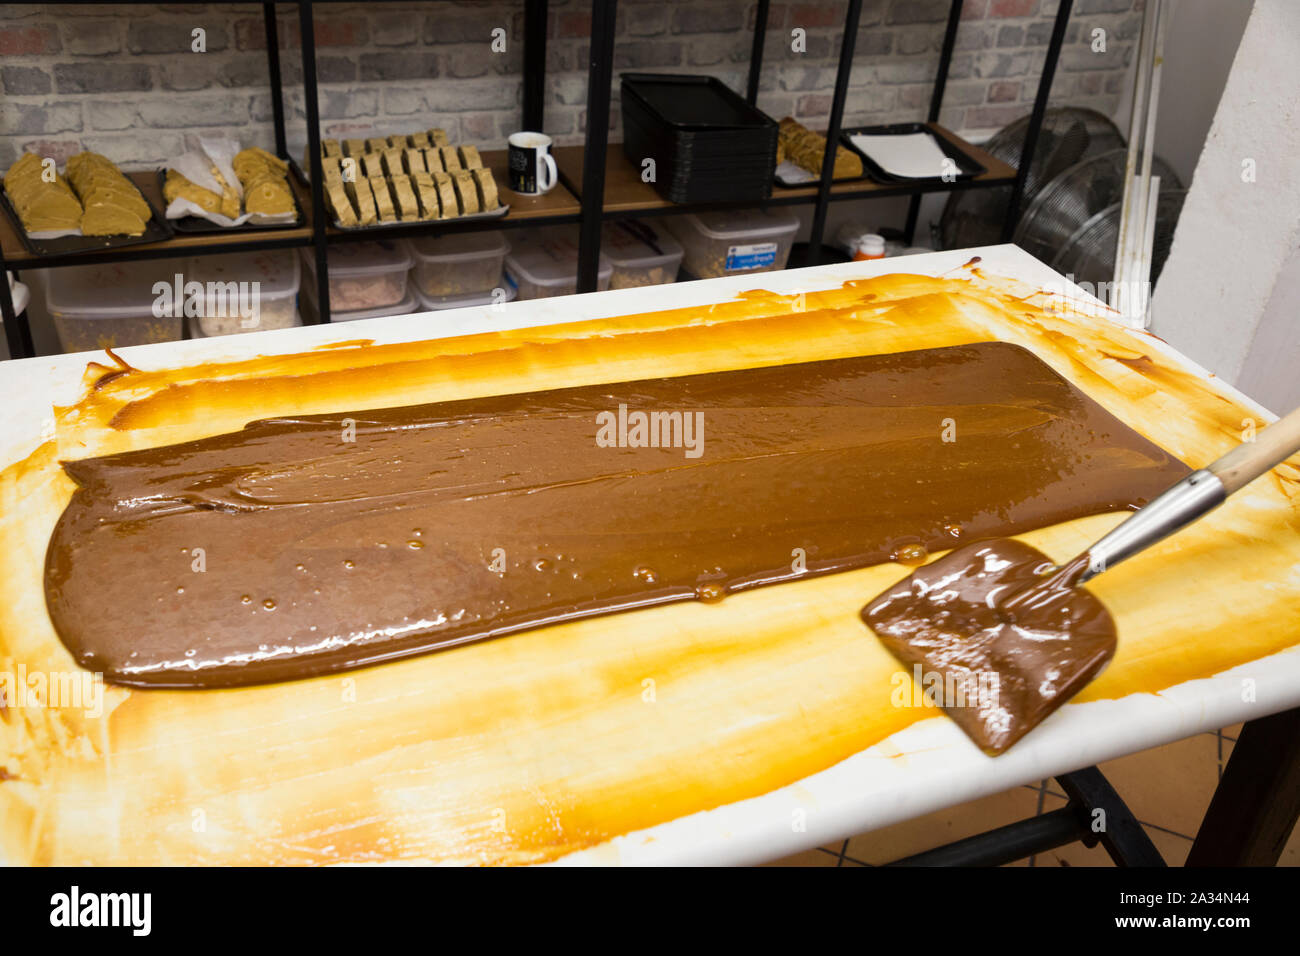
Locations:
91 37
50 117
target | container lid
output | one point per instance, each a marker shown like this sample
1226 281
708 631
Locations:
458 247
550 257
632 244
430 304
398 308
743 223
110 289
872 244
362 258
276 271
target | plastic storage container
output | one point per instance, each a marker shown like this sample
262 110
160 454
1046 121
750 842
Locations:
111 305
731 242
193 323
448 267
242 307
545 263
475 300
401 307
640 254
363 275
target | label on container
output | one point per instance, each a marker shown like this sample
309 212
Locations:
757 255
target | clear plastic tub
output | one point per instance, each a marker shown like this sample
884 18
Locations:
636 262
363 275
545 263
731 242
197 332
401 307
454 266
478 299
111 305
231 302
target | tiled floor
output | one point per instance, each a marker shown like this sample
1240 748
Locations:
1168 789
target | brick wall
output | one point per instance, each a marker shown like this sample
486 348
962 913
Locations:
123 80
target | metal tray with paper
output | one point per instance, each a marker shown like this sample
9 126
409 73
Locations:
686 732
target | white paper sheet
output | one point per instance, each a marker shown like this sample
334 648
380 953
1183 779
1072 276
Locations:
196 167
914 155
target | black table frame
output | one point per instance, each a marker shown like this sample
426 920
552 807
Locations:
1249 819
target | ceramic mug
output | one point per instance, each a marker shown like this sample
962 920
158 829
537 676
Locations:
532 167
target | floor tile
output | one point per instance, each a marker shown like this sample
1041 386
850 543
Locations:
816 857
1173 848
945 826
1171 785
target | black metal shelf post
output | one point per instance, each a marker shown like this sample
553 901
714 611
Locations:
936 101
1036 117
756 52
18 334
842 71
320 245
535 23
600 74
273 69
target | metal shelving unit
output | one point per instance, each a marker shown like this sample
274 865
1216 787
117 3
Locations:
597 183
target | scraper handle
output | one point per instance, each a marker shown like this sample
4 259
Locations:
1251 459
1200 492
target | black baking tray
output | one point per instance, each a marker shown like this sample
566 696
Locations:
693 105
708 143
684 185
155 230
732 153
967 168
195 225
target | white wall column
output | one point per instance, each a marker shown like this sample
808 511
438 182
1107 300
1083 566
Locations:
1228 292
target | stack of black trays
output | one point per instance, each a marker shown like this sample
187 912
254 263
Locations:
708 144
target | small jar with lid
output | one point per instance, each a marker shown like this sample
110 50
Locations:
870 246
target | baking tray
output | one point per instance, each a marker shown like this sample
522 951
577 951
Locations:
733 160
155 230
967 168
691 105
381 226
683 180
196 225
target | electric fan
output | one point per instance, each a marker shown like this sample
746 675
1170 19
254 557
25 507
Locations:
1074 196
973 217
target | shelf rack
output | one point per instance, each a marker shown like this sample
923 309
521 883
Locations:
597 183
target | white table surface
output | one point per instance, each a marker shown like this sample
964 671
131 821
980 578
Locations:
926 767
